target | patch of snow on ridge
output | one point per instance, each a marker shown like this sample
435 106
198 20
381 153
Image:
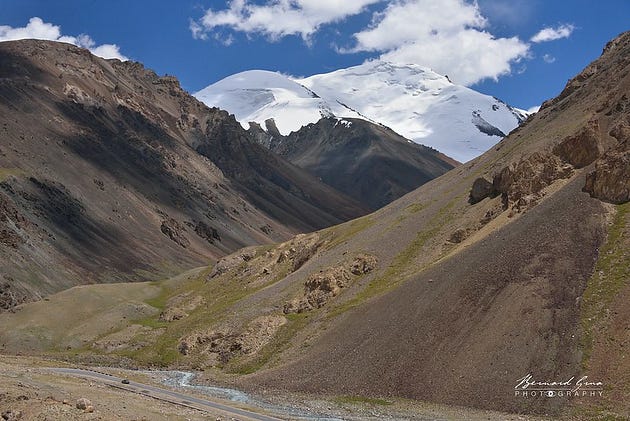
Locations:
343 122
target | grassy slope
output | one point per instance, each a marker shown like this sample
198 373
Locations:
605 319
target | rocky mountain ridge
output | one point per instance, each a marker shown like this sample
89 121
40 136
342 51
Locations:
368 162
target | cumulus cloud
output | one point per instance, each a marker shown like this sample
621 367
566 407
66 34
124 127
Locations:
447 35
278 18
450 36
548 58
552 34
38 29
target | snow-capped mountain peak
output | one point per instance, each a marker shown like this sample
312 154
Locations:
414 101
258 95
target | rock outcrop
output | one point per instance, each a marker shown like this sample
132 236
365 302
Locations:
175 231
521 183
480 190
9 297
320 287
219 346
610 180
286 257
180 306
582 148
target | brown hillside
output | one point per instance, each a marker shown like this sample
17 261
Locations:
109 172
470 298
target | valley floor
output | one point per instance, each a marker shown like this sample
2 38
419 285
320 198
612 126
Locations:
32 389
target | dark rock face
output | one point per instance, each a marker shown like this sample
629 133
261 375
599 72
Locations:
484 127
207 232
175 231
369 163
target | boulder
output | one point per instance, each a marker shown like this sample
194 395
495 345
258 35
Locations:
83 403
481 189
12 415
582 148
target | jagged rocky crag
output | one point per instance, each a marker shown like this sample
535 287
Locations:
109 172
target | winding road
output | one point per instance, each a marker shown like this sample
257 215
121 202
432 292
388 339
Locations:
165 394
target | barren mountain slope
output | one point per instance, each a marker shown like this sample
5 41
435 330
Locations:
514 263
366 161
109 172
479 295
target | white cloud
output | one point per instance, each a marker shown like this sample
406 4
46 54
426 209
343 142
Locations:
548 58
446 35
513 13
450 36
278 18
38 29
198 31
552 34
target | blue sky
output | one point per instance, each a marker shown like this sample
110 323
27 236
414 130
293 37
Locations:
494 46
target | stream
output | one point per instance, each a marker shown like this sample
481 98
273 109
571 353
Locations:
185 380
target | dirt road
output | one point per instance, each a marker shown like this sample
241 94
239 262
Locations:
165 394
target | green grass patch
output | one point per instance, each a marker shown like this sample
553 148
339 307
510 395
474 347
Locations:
347 230
159 301
611 274
220 293
414 208
361 400
162 349
409 210
151 322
